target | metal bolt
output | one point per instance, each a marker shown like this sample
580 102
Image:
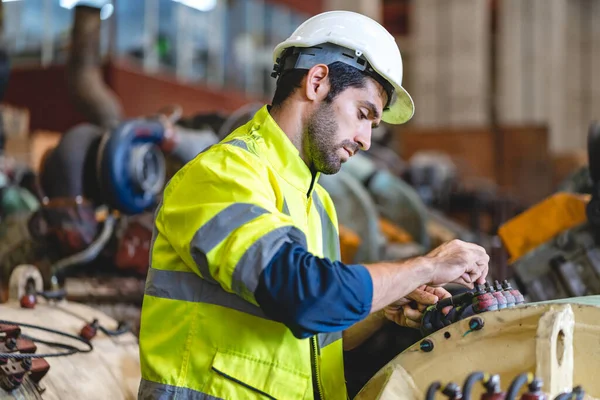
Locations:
10 343
476 323
536 385
452 390
426 345
26 364
493 384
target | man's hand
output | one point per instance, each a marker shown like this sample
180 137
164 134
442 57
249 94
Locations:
455 261
459 262
403 314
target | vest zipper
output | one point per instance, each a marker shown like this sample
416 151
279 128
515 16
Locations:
312 184
315 352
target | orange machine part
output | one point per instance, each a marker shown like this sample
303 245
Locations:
542 222
394 233
349 244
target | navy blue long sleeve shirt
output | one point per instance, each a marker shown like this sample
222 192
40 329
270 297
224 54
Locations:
312 295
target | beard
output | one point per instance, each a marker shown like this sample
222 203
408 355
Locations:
320 141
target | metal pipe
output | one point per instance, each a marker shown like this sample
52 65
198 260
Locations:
517 384
89 253
470 381
433 388
85 80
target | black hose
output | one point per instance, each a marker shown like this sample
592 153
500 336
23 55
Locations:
564 396
53 294
433 388
91 252
122 328
578 393
470 381
70 349
517 384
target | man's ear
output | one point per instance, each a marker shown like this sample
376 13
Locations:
317 82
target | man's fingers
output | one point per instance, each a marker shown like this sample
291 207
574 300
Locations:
477 273
429 289
399 318
423 297
414 315
473 247
463 282
441 293
467 277
412 324
399 303
446 310
484 272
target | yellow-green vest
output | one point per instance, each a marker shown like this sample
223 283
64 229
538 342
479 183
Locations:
221 219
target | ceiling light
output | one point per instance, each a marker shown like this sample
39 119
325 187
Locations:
202 5
90 3
68 3
106 11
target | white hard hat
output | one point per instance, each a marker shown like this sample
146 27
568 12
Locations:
366 39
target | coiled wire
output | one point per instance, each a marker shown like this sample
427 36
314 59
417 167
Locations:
69 349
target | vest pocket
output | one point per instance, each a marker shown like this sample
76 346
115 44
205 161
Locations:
241 376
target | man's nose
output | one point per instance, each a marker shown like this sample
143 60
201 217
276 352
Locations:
363 139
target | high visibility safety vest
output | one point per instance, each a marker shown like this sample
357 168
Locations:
222 218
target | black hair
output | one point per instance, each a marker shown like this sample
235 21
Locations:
341 77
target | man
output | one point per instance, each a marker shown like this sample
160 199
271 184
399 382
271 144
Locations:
246 297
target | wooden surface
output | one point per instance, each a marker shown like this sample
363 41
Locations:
110 371
524 164
472 149
507 345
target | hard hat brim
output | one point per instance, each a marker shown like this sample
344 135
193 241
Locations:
401 110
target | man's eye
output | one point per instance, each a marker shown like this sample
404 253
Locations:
361 115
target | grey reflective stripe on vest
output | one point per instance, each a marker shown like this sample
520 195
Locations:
325 339
259 254
155 229
187 286
234 142
158 391
217 229
331 239
238 143
285 208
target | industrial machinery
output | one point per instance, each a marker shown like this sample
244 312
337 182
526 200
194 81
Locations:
554 246
395 200
493 390
45 343
543 349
